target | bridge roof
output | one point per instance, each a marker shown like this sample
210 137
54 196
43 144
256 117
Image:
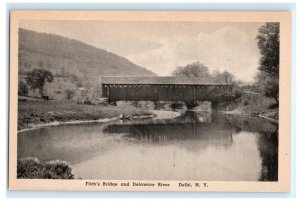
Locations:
180 80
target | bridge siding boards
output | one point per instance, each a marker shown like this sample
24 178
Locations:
145 89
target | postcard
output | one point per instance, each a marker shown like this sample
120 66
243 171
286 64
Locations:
179 101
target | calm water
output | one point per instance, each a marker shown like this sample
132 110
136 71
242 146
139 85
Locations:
190 147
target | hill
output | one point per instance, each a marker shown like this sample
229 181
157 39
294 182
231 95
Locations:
65 57
74 64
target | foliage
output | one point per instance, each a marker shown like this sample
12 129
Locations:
69 94
225 77
193 69
268 85
268 43
22 89
68 56
32 168
197 69
36 79
229 79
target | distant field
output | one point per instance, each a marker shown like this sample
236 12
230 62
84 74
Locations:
38 111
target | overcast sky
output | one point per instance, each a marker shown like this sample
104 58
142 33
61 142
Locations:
162 46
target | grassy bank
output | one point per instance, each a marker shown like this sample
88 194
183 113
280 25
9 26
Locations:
32 112
32 168
254 104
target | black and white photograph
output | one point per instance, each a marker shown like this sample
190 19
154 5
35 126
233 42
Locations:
134 103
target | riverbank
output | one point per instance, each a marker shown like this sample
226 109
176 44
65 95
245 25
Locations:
38 113
254 105
270 115
57 123
156 114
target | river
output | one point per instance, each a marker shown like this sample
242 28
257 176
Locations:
193 146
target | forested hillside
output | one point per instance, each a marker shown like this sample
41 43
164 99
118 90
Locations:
68 57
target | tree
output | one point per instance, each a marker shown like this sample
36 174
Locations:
23 89
268 85
194 69
268 44
69 94
36 79
228 78
225 77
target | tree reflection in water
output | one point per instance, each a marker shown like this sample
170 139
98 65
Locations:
194 146
211 129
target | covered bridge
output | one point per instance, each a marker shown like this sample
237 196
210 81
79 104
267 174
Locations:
154 88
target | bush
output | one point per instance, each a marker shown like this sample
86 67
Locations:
32 168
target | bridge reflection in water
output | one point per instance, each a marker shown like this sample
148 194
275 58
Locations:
194 146
196 131
191 126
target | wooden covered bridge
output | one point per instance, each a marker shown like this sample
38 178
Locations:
156 88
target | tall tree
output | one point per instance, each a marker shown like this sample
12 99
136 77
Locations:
193 69
268 44
37 78
268 85
224 76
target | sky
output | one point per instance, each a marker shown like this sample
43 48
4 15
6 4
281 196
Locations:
163 46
